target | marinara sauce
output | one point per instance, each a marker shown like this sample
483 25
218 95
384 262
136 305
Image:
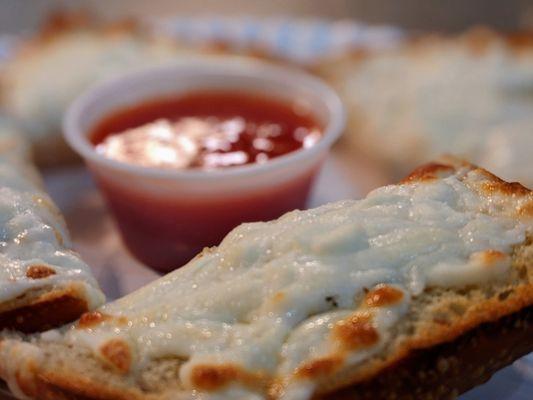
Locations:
208 131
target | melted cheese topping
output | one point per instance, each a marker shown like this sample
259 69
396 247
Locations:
46 79
34 242
293 299
413 104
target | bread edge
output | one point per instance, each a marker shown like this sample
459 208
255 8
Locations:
40 310
451 368
401 374
433 335
47 385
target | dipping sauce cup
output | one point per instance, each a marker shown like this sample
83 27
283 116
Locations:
167 216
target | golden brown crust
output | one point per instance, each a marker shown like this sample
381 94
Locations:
451 368
442 371
489 186
495 184
436 333
428 172
24 378
57 386
46 311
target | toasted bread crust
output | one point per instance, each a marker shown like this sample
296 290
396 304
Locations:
455 357
456 350
442 371
451 368
56 387
435 334
45 311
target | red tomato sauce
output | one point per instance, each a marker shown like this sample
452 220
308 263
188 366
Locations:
206 130
166 232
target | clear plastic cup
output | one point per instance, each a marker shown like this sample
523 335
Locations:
167 216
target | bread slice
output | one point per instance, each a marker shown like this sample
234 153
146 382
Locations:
72 52
468 94
392 296
43 283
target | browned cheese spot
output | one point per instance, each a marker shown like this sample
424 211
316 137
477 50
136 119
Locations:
383 295
93 318
321 367
278 297
428 172
490 256
493 186
118 354
356 332
507 188
39 272
216 377
90 319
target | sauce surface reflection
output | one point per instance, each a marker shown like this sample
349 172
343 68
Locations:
205 130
